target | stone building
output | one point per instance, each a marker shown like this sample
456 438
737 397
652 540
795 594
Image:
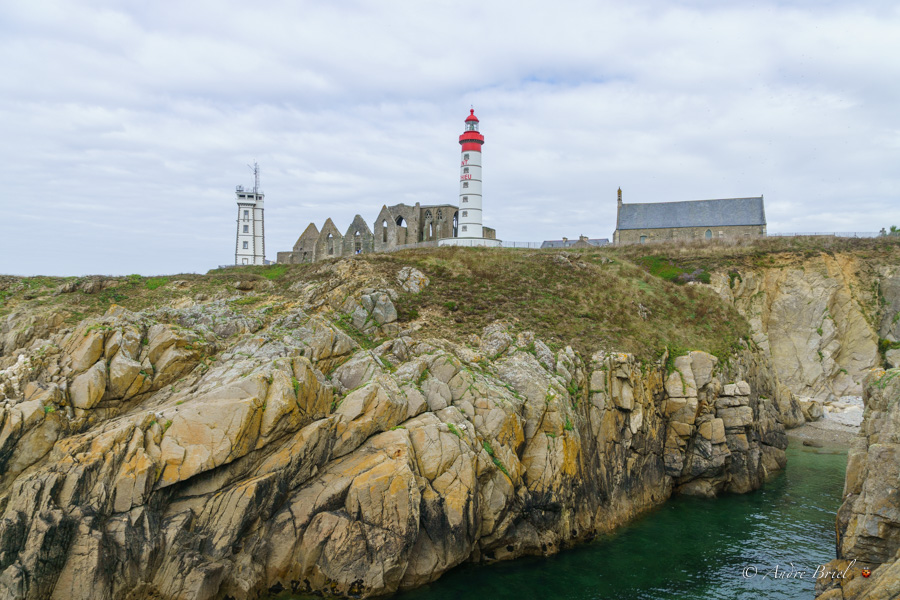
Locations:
394 227
691 220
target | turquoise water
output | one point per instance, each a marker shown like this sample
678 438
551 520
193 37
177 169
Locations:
689 548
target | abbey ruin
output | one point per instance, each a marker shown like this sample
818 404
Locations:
394 228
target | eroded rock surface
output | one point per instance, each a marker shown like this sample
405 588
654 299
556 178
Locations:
197 452
810 319
868 522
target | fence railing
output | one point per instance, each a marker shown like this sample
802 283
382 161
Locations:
520 244
851 234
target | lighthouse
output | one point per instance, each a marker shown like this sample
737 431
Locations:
250 244
470 230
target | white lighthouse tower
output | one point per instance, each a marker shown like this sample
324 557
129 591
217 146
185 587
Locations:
470 230
250 247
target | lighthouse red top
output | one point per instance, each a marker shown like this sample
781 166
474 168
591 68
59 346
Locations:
471 140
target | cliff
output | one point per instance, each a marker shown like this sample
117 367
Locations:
362 426
868 522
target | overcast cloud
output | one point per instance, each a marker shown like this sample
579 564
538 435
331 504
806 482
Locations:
126 125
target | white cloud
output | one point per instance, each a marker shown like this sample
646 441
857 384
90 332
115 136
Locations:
126 126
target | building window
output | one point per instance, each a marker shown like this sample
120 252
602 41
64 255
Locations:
465 184
708 234
465 157
246 214
643 239
246 229
465 198
464 228
465 213
246 245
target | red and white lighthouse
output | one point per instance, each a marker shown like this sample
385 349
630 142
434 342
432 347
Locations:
470 224
470 230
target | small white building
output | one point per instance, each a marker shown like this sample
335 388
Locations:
250 245
470 231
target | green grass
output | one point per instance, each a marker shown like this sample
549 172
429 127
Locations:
454 430
156 282
273 272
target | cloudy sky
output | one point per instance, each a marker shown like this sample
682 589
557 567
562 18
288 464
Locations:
127 124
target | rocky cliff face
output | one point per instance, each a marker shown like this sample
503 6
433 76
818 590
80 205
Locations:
819 319
868 522
201 452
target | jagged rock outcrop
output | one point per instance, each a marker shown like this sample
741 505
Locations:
868 522
197 452
811 319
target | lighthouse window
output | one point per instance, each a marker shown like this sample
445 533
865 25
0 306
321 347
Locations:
246 229
465 157
246 246
465 213
464 228
465 184
465 198
466 170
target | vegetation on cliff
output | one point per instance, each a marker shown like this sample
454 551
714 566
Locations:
589 299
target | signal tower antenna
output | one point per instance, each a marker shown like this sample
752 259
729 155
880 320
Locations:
255 168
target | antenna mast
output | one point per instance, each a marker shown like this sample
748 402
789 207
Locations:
255 169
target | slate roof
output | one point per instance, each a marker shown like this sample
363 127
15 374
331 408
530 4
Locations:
570 243
726 212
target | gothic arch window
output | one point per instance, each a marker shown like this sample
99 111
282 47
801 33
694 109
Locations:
456 224
708 234
384 231
401 222
329 244
357 242
427 215
440 215
430 230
